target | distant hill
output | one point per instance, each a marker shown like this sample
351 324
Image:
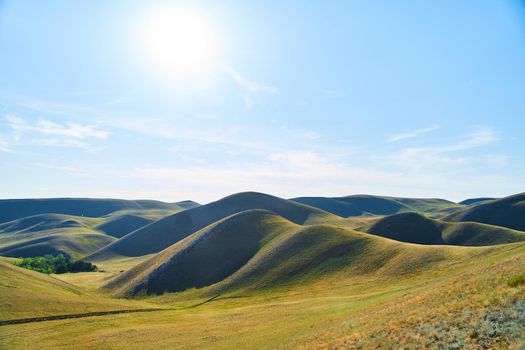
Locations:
507 212
12 209
42 222
74 241
121 225
169 230
471 201
256 250
357 205
415 228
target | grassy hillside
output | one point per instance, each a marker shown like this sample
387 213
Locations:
258 250
43 222
120 225
471 201
379 205
415 228
11 209
73 241
507 212
462 302
25 293
169 230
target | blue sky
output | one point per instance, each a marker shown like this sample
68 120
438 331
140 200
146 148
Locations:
331 98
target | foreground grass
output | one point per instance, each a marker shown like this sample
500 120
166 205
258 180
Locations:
474 305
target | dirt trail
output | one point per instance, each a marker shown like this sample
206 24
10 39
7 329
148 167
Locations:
68 316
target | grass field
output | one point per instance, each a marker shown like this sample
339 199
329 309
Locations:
290 277
435 308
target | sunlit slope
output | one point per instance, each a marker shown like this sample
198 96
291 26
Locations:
25 293
167 231
74 241
507 212
11 209
256 250
42 222
357 205
120 225
415 228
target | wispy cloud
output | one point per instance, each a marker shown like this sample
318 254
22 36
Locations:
72 130
444 156
249 85
412 134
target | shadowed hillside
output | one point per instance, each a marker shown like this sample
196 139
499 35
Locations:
121 225
256 250
471 201
415 228
169 230
378 205
11 209
507 212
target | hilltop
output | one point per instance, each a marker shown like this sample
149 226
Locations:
416 228
357 205
507 212
12 209
167 231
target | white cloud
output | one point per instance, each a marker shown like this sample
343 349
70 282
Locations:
71 130
249 85
412 134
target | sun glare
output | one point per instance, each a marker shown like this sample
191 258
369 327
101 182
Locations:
180 42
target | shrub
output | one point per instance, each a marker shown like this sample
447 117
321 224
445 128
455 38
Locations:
56 264
516 280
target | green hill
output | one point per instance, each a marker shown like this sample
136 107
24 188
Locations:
357 205
77 241
161 234
471 201
255 250
120 225
42 222
415 228
12 209
507 212
25 293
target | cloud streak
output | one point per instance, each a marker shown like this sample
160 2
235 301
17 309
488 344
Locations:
249 85
412 134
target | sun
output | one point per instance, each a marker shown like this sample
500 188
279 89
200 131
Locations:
180 42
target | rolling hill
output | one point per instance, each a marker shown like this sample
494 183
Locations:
120 225
506 212
161 234
25 293
41 222
76 242
471 201
358 205
256 250
416 228
12 209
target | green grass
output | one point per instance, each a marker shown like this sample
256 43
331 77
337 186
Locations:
334 311
25 293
